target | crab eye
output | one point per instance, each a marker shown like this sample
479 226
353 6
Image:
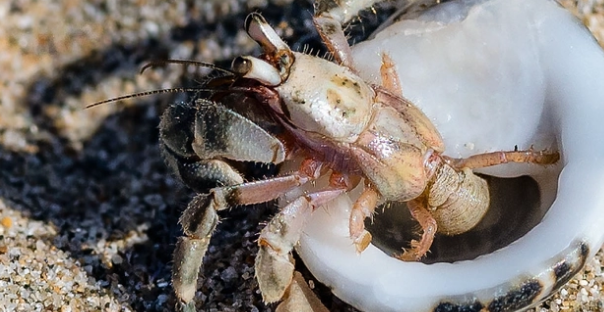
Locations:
257 69
241 66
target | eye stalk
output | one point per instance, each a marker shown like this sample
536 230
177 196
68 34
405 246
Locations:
257 69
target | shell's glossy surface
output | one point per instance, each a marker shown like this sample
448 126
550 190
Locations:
492 75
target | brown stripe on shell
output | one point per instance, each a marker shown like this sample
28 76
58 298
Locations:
564 270
531 290
518 298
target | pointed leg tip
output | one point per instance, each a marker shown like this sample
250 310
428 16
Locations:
408 256
413 254
362 242
187 307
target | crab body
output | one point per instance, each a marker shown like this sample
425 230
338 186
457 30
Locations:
322 97
346 126
369 131
285 105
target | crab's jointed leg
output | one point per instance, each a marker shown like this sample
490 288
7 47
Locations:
363 208
341 11
419 211
200 218
328 19
498 158
391 95
274 264
333 37
390 80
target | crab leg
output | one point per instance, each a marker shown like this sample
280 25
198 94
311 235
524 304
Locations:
341 11
334 38
363 208
328 20
390 79
190 250
419 211
391 95
274 264
200 218
498 158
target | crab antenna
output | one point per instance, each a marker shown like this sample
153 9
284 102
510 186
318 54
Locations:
147 93
185 62
171 90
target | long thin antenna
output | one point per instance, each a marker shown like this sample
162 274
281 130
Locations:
186 62
147 93
171 90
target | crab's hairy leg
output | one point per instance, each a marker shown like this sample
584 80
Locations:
390 80
334 38
498 158
190 250
363 208
200 218
342 11
391 95
199 141
419 211
329 17
274 264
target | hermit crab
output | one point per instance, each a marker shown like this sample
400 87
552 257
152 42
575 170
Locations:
341 128
345 133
